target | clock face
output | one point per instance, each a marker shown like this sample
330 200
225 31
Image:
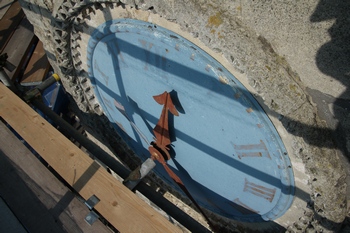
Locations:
224 147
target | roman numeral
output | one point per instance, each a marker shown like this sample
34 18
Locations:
252 150
259 190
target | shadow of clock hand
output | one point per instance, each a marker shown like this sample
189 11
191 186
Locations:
121 109
176 102
138 111
118 61
172 131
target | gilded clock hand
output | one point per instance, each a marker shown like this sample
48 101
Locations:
161 130
159 148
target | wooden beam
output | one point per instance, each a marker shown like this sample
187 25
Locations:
19 46
121 207
37 67
4 6
9 21
39 200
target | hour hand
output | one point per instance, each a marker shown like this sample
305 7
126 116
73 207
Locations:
161 130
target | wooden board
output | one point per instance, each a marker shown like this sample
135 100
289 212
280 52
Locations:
19 46
37 67
4 6
121 207
39 200
9 21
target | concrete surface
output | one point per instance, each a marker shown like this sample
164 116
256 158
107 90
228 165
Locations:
293 55
313 37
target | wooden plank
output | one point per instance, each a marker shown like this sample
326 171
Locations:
37 67
4 6
39 200
9 23
19 46
121 207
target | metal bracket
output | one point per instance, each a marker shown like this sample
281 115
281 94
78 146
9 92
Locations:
139 173
41 87
91 217
90 203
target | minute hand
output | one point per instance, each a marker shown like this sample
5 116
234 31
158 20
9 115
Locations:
161 130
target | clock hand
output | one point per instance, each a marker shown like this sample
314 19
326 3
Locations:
161 130
159 148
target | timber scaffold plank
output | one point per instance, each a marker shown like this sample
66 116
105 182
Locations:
37 68
37 199
11 16
121 207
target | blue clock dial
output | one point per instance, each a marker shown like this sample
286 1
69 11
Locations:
224 147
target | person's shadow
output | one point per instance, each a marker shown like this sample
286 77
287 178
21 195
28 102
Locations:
333 59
